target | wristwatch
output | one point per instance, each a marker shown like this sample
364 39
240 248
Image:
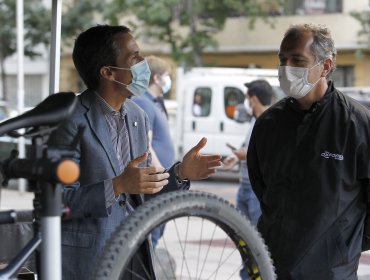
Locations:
176 170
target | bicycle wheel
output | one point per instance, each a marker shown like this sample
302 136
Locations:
205 238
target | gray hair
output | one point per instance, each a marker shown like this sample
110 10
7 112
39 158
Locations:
323 44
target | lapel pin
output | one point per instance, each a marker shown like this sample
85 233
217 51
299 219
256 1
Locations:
135 123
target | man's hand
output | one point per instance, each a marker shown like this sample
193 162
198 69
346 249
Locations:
241 153
136 180
230 161
196 166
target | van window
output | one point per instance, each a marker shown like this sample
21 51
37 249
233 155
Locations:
232 97
202 102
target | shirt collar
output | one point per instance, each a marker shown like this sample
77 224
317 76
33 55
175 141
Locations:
151 97
109 110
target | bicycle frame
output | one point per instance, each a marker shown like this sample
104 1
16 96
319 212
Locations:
47 232
41 168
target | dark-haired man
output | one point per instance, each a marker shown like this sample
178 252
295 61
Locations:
309 165
113 152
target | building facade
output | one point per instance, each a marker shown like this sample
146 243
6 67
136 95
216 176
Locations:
240 46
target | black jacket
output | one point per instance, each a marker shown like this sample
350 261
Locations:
310 170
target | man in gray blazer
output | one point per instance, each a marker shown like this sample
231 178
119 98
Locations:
113 150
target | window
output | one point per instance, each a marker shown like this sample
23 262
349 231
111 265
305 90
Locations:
311 7
32 89
232 97
202 102
343 76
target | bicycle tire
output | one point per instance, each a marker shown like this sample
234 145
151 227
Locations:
185 204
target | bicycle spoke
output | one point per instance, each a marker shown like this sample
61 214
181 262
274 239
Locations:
222 254
205 238
209 246
142 265
173 269
135 274
226 259
200 238
182 250
160 264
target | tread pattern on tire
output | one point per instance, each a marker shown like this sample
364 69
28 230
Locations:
129 235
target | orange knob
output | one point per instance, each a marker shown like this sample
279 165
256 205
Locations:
68 171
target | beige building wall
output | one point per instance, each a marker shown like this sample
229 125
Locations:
240 46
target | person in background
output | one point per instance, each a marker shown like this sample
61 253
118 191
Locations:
230 104
309 165
152 102
115 164
259 95
153 105
197 104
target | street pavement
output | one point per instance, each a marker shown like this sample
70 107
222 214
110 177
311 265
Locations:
13 199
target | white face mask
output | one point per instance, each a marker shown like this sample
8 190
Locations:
167 84
294 81
248 107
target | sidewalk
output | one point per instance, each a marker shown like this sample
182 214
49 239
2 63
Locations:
230 194
12 199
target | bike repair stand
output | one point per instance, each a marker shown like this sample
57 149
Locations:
48 211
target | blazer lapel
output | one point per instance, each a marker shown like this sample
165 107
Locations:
133 126
99 127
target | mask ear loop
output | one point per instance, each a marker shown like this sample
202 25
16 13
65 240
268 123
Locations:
306 76
119 68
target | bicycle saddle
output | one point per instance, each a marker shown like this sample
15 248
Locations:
50 112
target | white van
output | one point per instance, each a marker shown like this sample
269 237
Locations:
206 100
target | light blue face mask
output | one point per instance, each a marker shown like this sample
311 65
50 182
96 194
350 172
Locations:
140 77
167 84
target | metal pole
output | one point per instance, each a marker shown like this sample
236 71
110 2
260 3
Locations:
56 21
20 82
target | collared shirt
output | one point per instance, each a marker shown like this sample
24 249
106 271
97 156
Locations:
116 126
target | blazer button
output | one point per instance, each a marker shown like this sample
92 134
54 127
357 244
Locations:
122 203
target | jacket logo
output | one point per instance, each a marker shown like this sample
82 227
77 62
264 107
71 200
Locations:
326 154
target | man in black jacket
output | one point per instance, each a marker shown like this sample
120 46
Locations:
309 165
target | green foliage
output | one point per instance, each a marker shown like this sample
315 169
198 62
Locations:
364 33
77 16
36 31
36 25
187 26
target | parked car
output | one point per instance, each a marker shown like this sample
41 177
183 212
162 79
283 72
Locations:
361 94
206 103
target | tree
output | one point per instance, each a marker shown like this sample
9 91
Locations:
364 33
37 30
188 26
78 15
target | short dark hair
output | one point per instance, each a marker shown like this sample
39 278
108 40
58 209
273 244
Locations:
95 48
262 89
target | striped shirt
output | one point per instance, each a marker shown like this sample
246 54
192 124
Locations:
121 143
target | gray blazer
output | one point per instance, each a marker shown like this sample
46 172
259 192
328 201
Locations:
91 223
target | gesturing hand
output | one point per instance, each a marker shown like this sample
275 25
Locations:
196 166
230 161
135 179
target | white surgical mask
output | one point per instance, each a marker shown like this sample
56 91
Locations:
140 77
167 84
248 107
294 81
